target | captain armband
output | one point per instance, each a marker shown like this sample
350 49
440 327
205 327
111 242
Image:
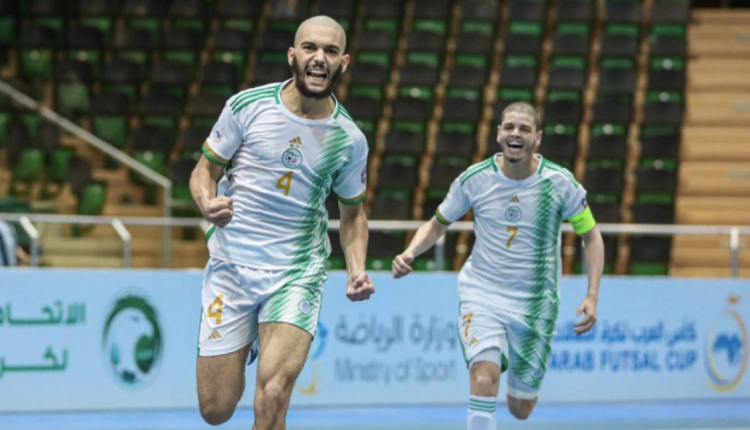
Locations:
583 222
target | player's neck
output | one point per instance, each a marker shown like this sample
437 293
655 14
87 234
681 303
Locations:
519 170
306 107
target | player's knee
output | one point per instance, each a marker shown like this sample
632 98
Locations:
215 412
485 383
521 409
273 396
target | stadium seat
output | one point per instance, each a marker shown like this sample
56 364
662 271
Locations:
397 173
455 141
475 38
660 146
231 46
8 19
382 247
390 208
666 80
669 12
109 117
523 39
86 44
563 111
190 16
623 12
559 148
607 147
100 15
182 46
405 139
662 113
205 108
145 15
527 10
481 10
192 141
575 11
444 171
413 104
122 76
617 80
220 78
134 45
340 10
73 79
650 255
653 213
612 111
171 77
36 53
385 9
432 9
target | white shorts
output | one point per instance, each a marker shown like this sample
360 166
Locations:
524 349
235 299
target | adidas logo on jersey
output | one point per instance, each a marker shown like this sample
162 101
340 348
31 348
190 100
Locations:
215 335
515 200
296 142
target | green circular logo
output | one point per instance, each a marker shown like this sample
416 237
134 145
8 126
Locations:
132 340
292 158
513 214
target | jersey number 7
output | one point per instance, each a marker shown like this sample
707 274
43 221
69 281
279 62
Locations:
513 231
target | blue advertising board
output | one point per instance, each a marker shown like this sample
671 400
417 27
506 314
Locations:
118 340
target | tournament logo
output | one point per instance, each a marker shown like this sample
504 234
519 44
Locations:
292 158
218 134
132 341
363 176
727 349
513 214
311 374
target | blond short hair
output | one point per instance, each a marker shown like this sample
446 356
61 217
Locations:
524 108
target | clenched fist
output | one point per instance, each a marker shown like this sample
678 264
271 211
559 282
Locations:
402 264
219 211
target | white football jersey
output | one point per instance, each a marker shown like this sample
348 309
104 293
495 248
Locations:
279 171
515 263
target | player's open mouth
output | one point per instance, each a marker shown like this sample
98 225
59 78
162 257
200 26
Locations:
317 75
513 144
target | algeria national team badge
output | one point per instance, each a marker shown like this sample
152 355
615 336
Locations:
292 158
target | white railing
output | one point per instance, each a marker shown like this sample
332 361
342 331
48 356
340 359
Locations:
103 146
27 221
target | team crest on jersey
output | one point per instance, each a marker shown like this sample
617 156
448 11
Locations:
218 134
513 214
305 307
292 158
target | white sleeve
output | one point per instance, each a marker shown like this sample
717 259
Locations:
225 138
574 198
350 182
455 205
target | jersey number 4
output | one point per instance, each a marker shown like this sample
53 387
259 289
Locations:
285 182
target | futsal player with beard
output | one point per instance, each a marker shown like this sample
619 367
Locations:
271 159
508 288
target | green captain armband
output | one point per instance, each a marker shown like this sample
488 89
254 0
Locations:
583 222
441 219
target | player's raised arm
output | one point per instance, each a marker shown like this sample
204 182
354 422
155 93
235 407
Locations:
354 236
594 248
425 238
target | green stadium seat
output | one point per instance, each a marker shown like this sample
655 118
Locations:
36 53
93 198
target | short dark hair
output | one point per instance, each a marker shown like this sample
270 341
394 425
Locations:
525 108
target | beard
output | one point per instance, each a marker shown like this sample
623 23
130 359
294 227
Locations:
300 74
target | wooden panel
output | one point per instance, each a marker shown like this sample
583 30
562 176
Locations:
738 31
718 65
715 217
708 257
707 272
718 80
718 108
720 16
718 48
690 203
704 242
699 143
737 170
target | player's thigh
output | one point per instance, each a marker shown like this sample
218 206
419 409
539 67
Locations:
230 306
479 330
283 352
221 378
530 345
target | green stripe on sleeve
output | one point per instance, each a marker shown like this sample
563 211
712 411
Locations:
583 222
441 219
354 200
213 156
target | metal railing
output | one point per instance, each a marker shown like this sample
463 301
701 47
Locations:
103 146
27 221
